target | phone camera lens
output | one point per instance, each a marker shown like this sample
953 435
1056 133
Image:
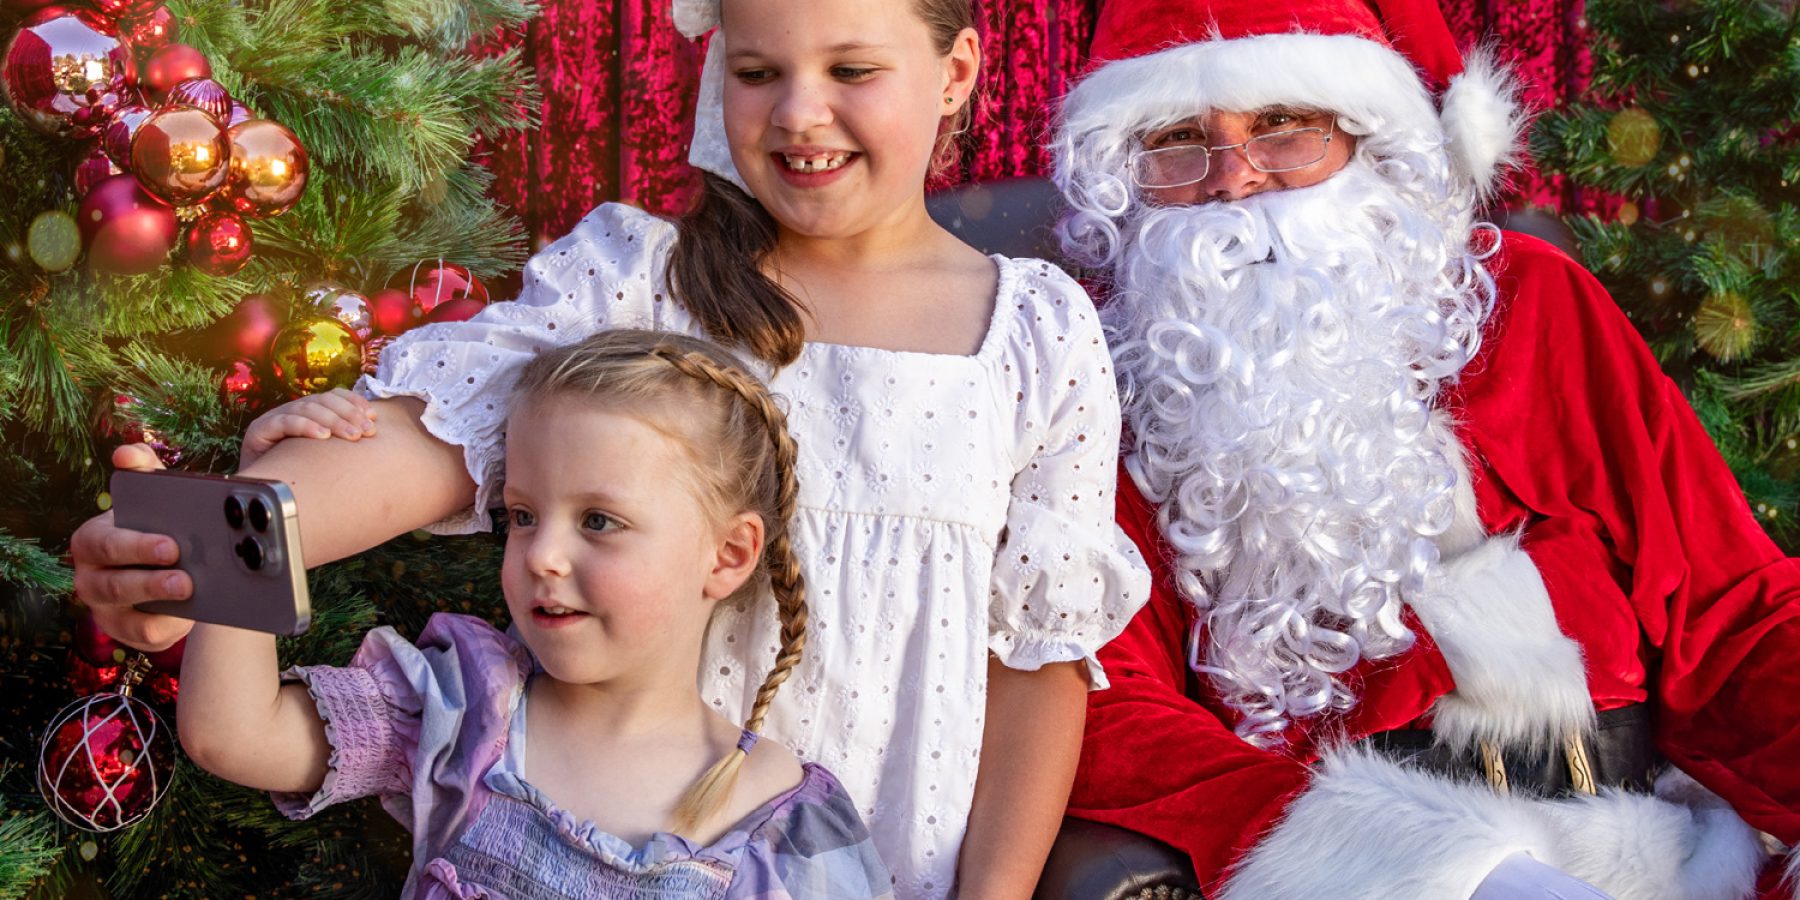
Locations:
234 512
259 515
251 550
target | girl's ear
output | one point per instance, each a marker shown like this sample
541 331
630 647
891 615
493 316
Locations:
734 560
962 68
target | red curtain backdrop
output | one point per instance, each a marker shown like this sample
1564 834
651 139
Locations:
618 83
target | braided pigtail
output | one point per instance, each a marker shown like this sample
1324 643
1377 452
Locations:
742 460
786 580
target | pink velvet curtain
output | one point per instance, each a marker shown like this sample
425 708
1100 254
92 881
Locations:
619 81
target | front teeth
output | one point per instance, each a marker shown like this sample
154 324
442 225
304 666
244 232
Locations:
557 611
810 164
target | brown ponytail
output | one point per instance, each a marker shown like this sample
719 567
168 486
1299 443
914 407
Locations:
715 272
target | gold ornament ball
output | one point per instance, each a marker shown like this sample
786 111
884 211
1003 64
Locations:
53 240
1633 136
181 155
1628 213
1725 326
1739 224
315 354
268 169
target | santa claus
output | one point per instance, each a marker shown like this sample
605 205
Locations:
1455 596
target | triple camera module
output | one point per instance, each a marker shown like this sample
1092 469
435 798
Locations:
253 512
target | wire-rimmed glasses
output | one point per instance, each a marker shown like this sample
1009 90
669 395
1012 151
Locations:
1185 164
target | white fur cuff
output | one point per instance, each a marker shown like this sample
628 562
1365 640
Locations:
1520 681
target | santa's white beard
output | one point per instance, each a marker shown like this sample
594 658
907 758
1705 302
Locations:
1279 358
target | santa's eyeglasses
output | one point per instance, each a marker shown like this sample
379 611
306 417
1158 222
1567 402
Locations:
1185 164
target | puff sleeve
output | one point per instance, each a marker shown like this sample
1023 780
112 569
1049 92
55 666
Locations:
405 721
1066 579
610 271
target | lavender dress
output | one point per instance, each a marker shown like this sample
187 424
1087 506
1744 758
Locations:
437 731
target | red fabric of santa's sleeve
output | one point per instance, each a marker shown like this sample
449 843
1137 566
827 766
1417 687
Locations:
1635 513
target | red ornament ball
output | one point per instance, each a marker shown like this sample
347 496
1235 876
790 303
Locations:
65 73
127 231
86 678
460 309
172 65
203 94
394 311
21 8
121 128
240 387
96 647
126 9
436 281
152 32
219 243
105 761
246 331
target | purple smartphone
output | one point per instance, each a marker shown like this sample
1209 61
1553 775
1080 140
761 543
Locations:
239 540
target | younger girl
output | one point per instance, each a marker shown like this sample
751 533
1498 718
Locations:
645 475
956 415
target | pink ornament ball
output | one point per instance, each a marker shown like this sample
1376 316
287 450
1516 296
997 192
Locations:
126 231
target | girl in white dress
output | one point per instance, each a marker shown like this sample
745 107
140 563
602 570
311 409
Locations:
956 418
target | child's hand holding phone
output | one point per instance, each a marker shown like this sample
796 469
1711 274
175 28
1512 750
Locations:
238 540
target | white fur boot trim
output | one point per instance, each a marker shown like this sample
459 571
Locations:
1684 842
1370 828
1520 681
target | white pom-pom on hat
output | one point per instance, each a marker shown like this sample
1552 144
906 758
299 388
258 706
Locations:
694 18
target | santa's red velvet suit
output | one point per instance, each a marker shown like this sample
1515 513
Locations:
1647 555
1600 560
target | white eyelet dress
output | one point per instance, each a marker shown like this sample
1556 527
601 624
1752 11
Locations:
949 507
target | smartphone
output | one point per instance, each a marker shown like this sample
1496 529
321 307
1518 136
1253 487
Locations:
239 540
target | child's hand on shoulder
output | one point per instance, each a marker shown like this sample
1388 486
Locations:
338 412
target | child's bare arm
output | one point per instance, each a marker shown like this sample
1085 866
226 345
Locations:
1036 716
237 720
352 495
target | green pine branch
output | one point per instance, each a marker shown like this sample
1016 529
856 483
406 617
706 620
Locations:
179 401
1696 121
28 850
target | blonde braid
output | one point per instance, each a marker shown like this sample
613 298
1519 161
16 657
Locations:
786 579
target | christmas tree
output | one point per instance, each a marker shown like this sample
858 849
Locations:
205 208
1696 126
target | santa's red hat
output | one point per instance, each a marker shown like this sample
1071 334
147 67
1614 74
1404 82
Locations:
1381 64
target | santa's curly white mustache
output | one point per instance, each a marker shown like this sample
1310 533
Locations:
1279 359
